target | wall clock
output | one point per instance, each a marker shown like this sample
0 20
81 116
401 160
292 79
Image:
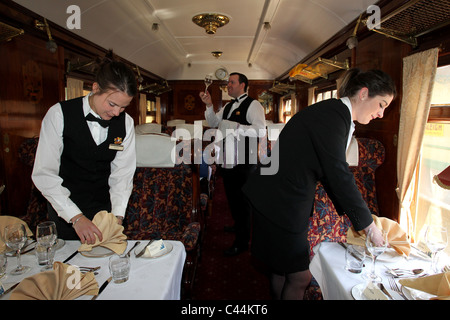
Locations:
221 73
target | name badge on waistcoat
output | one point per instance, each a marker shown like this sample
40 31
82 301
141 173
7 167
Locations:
117 145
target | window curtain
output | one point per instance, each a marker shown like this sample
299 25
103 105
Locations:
74 88
311 91
419 71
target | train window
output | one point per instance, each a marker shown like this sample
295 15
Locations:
433 201
289 107
326 95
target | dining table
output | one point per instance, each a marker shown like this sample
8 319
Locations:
156 278
336 283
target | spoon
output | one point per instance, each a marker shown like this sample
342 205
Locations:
129 251
414 271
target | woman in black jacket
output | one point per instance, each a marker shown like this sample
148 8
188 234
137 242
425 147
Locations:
312 147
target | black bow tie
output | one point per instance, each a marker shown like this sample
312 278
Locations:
237 99
103 123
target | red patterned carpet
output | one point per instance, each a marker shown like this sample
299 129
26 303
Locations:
226 278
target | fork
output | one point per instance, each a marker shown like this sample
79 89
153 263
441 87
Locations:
394 287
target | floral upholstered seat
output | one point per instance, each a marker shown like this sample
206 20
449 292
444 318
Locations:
161 206
37 211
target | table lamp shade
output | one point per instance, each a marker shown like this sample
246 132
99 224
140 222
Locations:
443 178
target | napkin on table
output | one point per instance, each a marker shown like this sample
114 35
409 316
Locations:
396 236
437 284
112 232
6 221
61 283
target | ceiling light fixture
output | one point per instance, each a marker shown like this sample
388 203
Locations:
210 21
217 54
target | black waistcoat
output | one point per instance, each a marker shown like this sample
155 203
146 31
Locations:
240 115
86 167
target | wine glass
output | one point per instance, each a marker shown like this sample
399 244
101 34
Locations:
376 250
436 240
46 236
3 264
208 81
15 237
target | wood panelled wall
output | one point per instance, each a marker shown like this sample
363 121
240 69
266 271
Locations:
185 103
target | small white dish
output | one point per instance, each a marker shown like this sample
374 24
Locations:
141 247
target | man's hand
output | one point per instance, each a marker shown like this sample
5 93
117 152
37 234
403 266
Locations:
206 98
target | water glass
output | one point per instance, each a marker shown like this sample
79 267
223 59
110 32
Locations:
119 267
354 258
44 257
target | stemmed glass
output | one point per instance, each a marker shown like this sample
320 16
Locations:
208 81
3 264
376 250
46 236
16 237
436 240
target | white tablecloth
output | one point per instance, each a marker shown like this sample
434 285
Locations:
150 279
336 283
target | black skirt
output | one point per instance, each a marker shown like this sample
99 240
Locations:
282 251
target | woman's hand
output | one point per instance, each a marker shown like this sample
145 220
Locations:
377 236
86 229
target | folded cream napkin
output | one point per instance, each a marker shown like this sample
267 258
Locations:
396 236
5 221
437 284
61 283
112 233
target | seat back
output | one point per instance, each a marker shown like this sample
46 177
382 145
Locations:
37 210
165 197
148 128
161 204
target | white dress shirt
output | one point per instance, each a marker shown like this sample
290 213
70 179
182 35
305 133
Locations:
48 156
347 102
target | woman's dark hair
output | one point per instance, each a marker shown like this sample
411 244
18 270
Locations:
378 82
242 79
115 75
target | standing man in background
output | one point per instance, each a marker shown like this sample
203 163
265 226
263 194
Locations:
244 117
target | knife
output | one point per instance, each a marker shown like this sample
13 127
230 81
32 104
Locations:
143 250
71 256
381 286
102 288
10 289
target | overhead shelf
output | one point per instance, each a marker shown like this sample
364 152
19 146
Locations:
320 68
